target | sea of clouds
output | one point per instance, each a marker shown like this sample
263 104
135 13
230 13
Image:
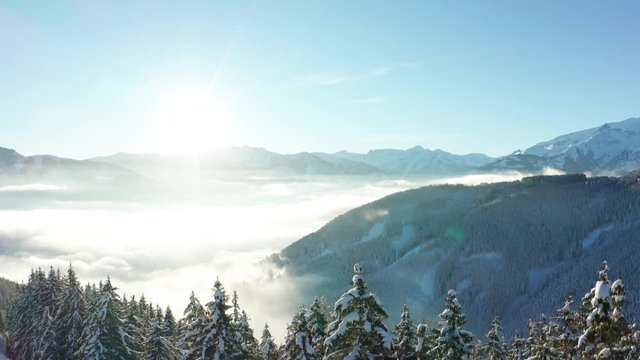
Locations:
166 249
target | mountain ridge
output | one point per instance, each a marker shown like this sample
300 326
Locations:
610 149
419 243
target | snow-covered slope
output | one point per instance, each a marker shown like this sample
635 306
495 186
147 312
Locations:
500 246
612 148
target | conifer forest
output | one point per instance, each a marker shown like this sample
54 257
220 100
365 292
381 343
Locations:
54 317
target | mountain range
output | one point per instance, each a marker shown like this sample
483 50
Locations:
612 148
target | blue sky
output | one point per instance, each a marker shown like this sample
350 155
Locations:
87 78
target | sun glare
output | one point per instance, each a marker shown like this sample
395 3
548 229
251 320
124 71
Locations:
189 120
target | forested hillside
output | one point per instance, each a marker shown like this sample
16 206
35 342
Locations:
508 249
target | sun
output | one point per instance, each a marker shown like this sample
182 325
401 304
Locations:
189 120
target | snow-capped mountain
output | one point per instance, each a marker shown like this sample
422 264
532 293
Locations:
416 161
612 148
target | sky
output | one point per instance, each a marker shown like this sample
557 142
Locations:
88 78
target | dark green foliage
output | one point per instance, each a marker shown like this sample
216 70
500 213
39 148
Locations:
104 336
217 335
405 339
192 329
358 330
496 346
317 317
453 342
134 326
298 344
268 350
170 325
157 346
69 319
598 329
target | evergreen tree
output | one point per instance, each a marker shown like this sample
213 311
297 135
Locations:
605 322
215 344
453 342
517 347
243 345
133 325
249 344
69 319
564 337
358 331
405 340
268 348
170 325
298 344
426 338
192 329
317 317
538 345
18 318
144 316
157 346
496 347
104 336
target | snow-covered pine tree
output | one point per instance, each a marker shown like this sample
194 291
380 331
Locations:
358 331
517 347
298 344
539 345
145 312
157 346
215 344
43 333
18 322
425 341
496 346
133 325
453 342
192 329
242 344
605 322
564 337
69 319
268 349
248 342
234 345
405 340
170 326
104 336
317 317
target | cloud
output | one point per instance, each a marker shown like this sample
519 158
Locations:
30 188
166 248
488 178
344 77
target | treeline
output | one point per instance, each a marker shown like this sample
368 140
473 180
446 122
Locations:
53 317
